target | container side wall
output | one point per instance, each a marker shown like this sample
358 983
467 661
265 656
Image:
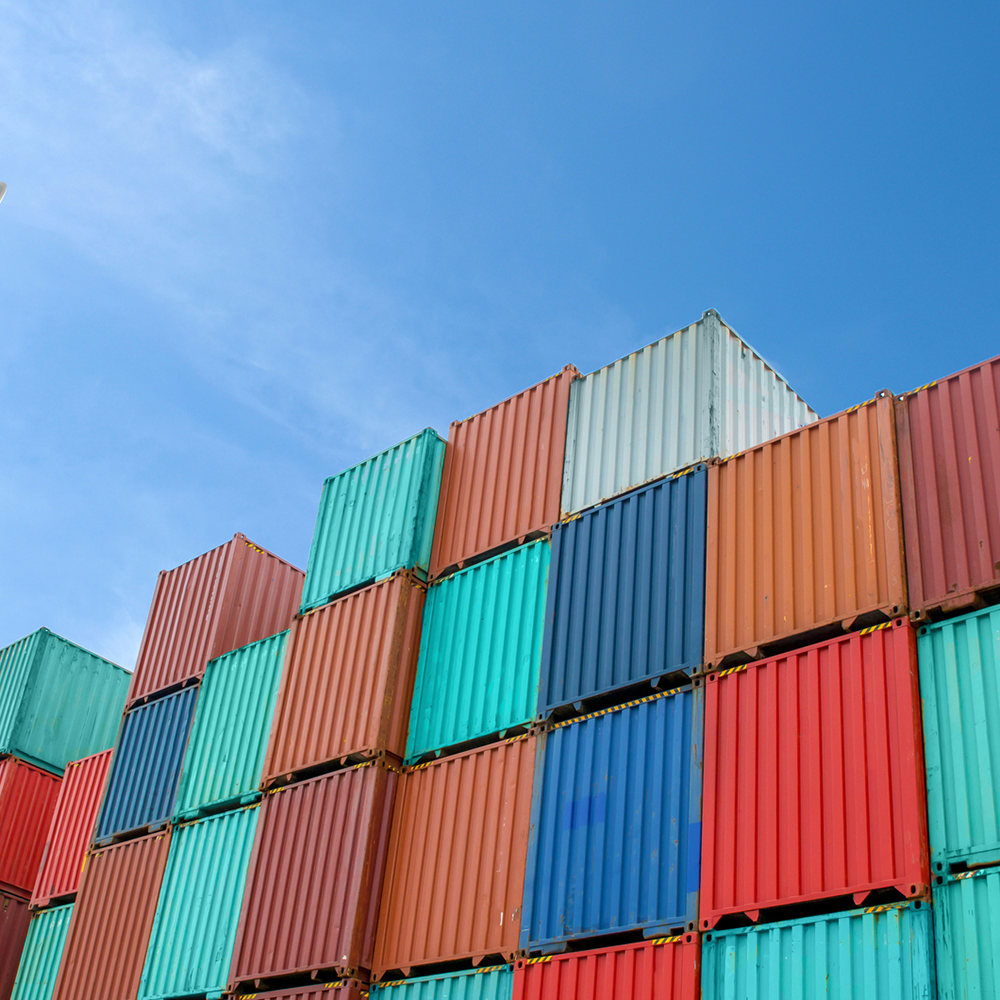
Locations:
27 801
967 933
493 983
43 950
17 661
14 917
339 990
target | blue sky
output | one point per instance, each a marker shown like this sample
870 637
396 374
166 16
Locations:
247 245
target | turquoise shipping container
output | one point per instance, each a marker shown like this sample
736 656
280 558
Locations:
480 651
376 518
493 983
232 721
58 701
879 953
967 934
194 931
43 949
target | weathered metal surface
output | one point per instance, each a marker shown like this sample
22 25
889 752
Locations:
616 823
58 701
814 777
376 518
27 800
494 982
967 934
502 474
627 594
43 950
454 880
949 473
698 394
226 598
480 651
805 531
340 989
14 916
348 678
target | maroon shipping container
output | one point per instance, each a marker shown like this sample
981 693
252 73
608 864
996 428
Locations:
814 776
315 877
341 989
14 917
27 800
217 602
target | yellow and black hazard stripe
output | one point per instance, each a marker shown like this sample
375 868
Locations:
619 708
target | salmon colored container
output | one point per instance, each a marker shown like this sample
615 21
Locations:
14 917
312 892
949 473
340 989
503 471
27 800
805 531
814 777
112 920
347 680
69 833
233 595
455 877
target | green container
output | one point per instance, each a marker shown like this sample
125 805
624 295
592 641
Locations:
376 518
480 651
493 983
36 975
58 701
232 721
967 934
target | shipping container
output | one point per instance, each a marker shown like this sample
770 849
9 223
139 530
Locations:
804 533
347 681
879 953
502 474
616 824
14 917
226 598
949 473
960 689
43 950
376 518
225 754
315 876
340 989
967 934
495 982
72 826
627 597
58 701
814 777
454 881
27 800
663 969
146 767
191 945
112 918
480 651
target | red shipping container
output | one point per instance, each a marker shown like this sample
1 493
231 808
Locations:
814 776
70 831
14 917
228 597
27 800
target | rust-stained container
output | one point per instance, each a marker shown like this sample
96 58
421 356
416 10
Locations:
347 680
455 877
112 919
69 833
805 531
27 800
312 892
339 989
814 781
14 917
503 471
221 600
949 475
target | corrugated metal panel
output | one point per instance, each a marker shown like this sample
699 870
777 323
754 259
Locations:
698 394
191 945
72 825
502 474
495 982
455 877
805 531
27 800
315 876
814 777
967 934
949 473
340 989
58 701
376 518
108 934
43 950
14 916
225 754
616 823
142 786
480 651
221 600
348 677
627 600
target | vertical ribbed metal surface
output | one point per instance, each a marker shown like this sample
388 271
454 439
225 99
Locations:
885 953
43 950
340 989
480 650
376 518
627 593
616 823
191 945
14 916
967 935
493 983
27 800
